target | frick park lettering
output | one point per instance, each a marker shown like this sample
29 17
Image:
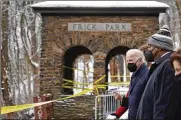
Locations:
99 27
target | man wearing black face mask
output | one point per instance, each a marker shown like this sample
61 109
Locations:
136 64
156 96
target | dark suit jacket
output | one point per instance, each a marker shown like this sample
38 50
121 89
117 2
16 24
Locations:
136 89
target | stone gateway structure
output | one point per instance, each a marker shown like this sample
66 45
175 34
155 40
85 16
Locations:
102 29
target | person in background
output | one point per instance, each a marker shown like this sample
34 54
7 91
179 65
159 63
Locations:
136 64
156 96
174 108
144 48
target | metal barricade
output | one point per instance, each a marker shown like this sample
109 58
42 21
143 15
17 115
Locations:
105 105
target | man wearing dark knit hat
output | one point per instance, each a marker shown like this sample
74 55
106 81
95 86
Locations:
156 96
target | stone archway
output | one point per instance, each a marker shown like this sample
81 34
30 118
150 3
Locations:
113 52
69 57
63 28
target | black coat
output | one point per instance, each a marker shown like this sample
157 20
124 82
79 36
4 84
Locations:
137 86
157 92
174 109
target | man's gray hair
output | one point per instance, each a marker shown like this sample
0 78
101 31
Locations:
137 54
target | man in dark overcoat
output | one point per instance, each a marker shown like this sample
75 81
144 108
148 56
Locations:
156 96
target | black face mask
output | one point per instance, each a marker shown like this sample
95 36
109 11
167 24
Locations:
149 55
178 78
132 67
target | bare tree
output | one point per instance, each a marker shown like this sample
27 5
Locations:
1 97
173 19
21 40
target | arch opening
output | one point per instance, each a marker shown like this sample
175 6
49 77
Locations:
69 60
84 73
115 69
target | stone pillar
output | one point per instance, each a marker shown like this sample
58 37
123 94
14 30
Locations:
99 68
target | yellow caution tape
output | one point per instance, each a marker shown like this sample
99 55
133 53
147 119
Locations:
92 72
109 83
97 91
77 69
102 86
97 82
100 79
9 109
118 83
75 87
71 81
119 76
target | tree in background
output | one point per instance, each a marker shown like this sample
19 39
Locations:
21 40
172 18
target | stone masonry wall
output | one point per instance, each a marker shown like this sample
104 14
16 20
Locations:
78 108
56 40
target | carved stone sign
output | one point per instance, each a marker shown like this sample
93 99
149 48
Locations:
99 27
